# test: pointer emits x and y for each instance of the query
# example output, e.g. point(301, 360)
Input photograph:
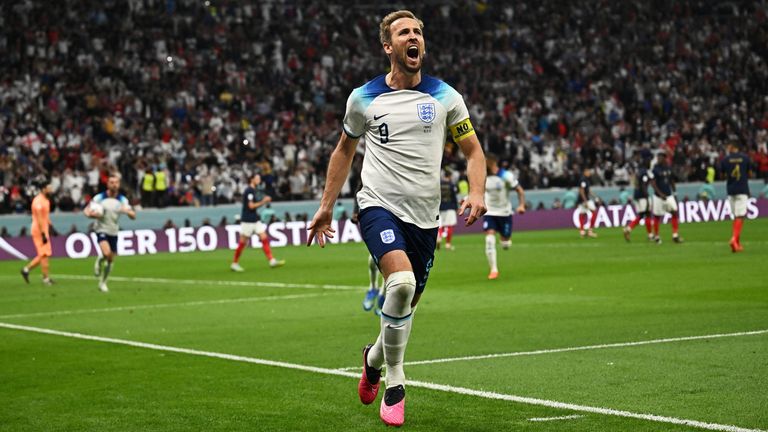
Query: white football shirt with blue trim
point(107, 223)
point(497, 190)
point(405, 132)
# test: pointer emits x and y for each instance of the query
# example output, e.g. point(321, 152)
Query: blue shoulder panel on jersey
point(371, 90)
point(378, 86)
point(99, 197)
point(434, 87)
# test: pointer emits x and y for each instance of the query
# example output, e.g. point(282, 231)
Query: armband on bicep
point(462, 129)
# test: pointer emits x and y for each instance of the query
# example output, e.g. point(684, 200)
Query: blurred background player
point(642, 209)
point(106, 227)
point(41, 222)
point(586, 205)
point(498, 218)
point(735, 168)
point(376, 287)
point(449, 205)
point(664, 199)
point(254, 196)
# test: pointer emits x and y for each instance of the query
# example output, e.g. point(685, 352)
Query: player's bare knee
point(401, 288)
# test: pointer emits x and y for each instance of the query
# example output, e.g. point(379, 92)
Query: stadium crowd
point(184, 97)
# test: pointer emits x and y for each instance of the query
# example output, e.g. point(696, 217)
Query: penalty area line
point(421, 384)
point(215, 282)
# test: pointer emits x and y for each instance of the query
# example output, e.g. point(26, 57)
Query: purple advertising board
point(207, 238)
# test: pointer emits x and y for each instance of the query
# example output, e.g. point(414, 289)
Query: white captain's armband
point(462, 129)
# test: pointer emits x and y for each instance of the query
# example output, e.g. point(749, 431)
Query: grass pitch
point(556, 292)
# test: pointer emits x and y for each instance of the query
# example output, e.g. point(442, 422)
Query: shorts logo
point(387, 236)
point(426, 112)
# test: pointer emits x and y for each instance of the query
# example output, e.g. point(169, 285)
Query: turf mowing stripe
point(579, 348)
point(422, 384)
point(160, 305)
point(214, 282)
point(546, 419)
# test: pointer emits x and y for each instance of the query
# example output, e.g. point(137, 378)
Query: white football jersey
point(107, 223)
point(497, 189)
point(405, 132)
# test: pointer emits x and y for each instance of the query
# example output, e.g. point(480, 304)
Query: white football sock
point(396, 324)
point(105, 273)
point(490, 251)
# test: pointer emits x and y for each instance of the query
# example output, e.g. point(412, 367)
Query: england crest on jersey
point(426, 112)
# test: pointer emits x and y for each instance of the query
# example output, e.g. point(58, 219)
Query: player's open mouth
point(412, 52)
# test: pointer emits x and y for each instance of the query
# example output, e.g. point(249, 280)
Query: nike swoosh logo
point(375, 117)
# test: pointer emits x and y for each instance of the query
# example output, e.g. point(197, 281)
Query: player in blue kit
point(449, 204)
point(405, 116)
point(664, 198)
point(735, 168)
point(586, 205)
point(254, 196)
point(640, 198)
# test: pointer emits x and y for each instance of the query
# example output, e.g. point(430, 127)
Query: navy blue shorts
point(500, 224)
point(383, 232)
point(112, 240)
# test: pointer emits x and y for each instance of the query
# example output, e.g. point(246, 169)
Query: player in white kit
point(106, 227)
point(406, 117)
point(498, 219)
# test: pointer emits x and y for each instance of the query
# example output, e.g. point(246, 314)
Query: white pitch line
point(215, 282)
point(422, 384)
point(546, 419)
point(160, 305)
point(580, 348)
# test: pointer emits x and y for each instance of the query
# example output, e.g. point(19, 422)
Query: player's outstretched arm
point(475, 200)
point(338, 168)
point(520, 199)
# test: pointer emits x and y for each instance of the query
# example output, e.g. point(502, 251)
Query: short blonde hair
point(385, 35)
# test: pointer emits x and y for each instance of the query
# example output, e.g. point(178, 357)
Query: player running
point(735, 168)
point(642, 209)
point(586, 204)
point(109, 206)
point(405, 117)
point(498, 219)
point(449, 203)
point(41, 222)
point(254, 196)
point(664, 199)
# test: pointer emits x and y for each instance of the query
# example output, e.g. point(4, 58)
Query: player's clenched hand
point(320, 227)
point(521, 209)
point(476, 206)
